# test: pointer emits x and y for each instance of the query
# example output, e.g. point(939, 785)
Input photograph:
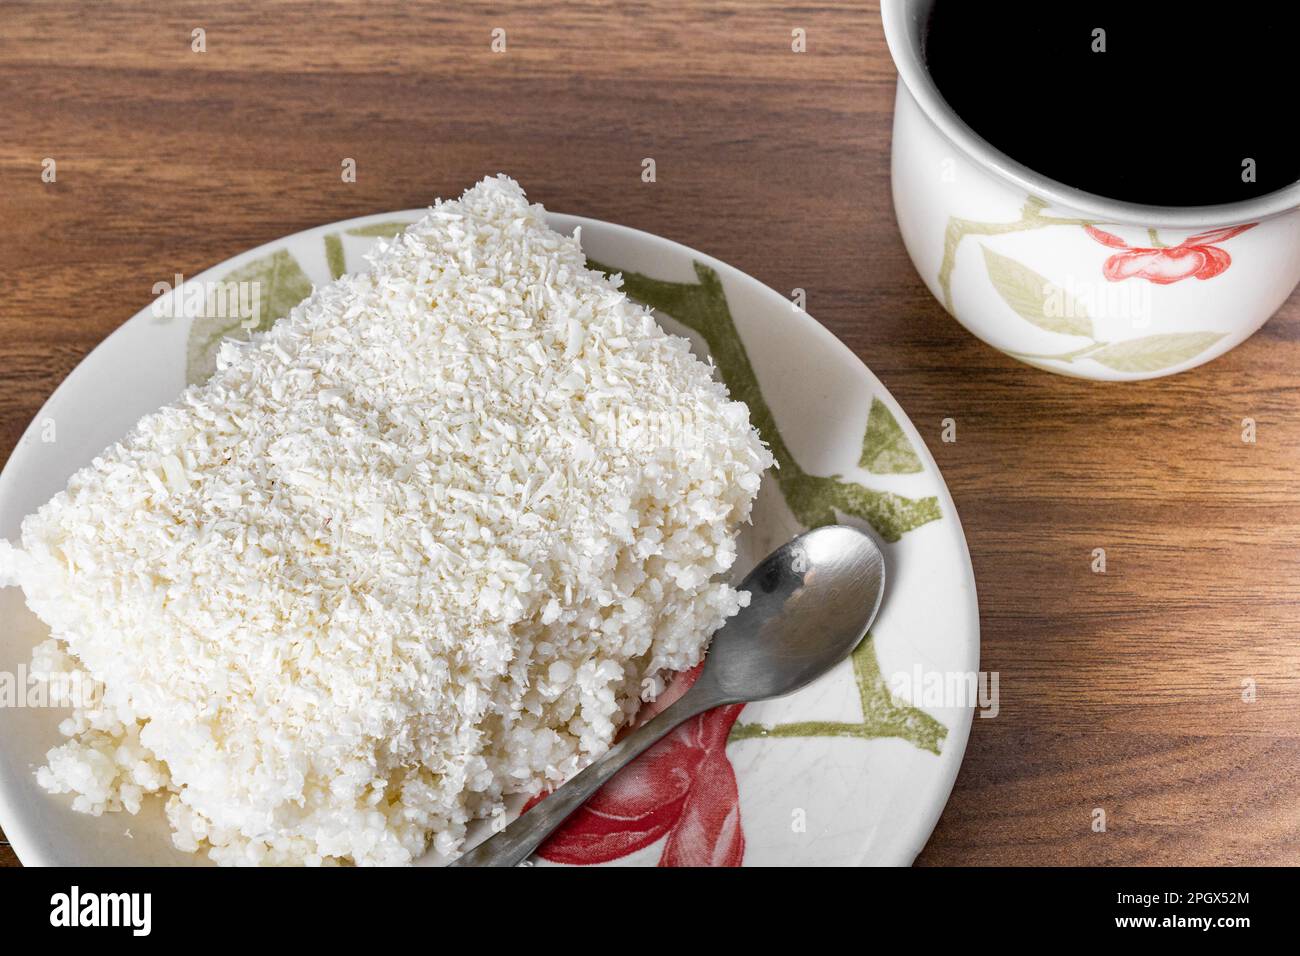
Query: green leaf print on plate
point(379, 230)
point(882, 715)
point(885, 449)
point(281, 284)
point(334, 255)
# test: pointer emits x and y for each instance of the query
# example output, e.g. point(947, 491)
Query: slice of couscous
point(422, 545)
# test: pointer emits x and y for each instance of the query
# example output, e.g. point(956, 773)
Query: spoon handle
point(517, 842)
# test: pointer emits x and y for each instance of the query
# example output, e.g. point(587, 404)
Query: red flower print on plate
point(1194, 256)
point(682, 788)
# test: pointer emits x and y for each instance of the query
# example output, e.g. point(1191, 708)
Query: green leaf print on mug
point(1154, 352)
point(1035, 299)
point(1045, 305)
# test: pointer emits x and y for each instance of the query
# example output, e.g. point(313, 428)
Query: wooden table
point(1121, 691)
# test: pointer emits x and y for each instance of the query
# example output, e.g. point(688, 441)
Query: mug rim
point(905, 50)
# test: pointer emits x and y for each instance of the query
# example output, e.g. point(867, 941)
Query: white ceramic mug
point(1066, 280)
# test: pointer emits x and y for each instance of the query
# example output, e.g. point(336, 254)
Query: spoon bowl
point(811, 602)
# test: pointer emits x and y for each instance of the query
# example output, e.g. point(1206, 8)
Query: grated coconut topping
point(423, 545)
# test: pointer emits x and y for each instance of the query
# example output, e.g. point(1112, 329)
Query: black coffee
point(1168, 103)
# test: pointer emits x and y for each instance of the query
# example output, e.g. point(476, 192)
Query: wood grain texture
point(1120, 691)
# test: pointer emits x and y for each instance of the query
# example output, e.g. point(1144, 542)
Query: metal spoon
point(811, 602)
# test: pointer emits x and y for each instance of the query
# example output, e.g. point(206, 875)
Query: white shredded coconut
point(420, 546)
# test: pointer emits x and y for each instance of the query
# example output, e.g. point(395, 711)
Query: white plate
point(846, 771)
